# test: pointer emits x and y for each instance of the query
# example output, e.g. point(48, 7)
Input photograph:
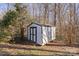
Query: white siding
point(46, 33)
point(53, 33)
point(44, 37)
point(28, 33)
point(39, 36)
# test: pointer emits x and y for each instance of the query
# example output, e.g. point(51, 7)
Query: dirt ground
point(50, 49)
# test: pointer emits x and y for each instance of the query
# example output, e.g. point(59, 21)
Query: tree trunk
point(22, 32)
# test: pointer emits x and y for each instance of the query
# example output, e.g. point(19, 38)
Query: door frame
point(33, 34)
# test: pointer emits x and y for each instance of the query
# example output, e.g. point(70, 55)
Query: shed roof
point(46, 25)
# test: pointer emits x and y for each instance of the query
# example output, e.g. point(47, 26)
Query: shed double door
point(33, 34)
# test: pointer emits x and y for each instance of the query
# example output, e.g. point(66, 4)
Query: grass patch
point(4, 36)
point(60, 37)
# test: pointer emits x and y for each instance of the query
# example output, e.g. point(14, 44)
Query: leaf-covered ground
point(53, 49)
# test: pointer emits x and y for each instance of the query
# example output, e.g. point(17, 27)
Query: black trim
point(36, 34)
point(33, 34)
point(39, 24)
point(27, 33)
point(41, 33)
point(30, 35)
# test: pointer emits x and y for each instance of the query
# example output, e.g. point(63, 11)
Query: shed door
point(33, 34)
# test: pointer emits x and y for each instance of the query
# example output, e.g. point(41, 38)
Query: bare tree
point(45, 13)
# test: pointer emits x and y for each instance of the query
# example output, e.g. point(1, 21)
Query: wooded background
point(64, 16)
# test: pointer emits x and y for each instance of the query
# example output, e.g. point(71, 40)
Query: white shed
point(40, 34)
